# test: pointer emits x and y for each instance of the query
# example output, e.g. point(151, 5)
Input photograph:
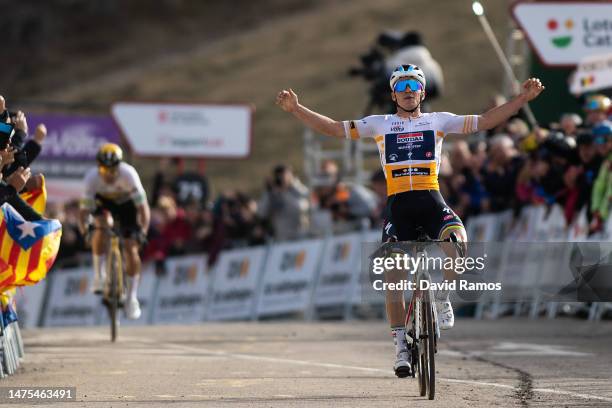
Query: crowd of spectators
point(568, 162)
point(17, 152)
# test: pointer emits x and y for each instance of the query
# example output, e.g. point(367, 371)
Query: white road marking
point(372, 370)
point(572, 394)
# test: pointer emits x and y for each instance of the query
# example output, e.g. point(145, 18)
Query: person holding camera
point(285, 203)
point(15, 174)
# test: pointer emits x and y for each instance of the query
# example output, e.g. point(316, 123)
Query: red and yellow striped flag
point(37, 199)
point(27, 248)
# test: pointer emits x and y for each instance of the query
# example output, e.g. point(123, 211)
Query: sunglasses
point(404, 84)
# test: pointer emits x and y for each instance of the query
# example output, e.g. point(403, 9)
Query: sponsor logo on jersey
point(397, 126)
point(428, 154)
point(410, 137)
point(393, 157)
point(410, 171)
point(423, 123)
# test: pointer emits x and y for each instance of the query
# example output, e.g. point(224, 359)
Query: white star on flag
point(27, 229)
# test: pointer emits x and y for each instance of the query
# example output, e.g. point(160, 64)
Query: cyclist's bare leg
point(133, 264)
point(99, 249)
point(446, 316)
point(396, 314)
point(132, 257)
point(99, 237)
point(449, 249)
point(394, 299)
point(132, 268)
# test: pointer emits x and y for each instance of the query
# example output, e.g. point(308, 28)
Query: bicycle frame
point(417, 298)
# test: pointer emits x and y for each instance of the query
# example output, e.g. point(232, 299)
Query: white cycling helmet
point(407, 71)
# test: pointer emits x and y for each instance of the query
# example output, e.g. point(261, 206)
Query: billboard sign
point(563, 33)
point(185, 130)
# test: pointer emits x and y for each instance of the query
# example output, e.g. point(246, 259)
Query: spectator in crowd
point(186, 185)
point(378, 184)
point(580, 177)
point(570, 123)
point(541, 178)
point(602, 188)
point(500, 173)
point(518, 130)
point(171, 231)
point(13, 178)
point(470, 195)
point(285, 204)
point(597, 109)
point(72, 242)
point(348, 203)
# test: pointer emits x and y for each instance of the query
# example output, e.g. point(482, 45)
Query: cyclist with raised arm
point(410, 147)
point(114, 193)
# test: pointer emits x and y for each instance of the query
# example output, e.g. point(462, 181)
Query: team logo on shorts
point(448, 217)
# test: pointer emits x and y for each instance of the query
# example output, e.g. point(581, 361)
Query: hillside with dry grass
point(308, 47)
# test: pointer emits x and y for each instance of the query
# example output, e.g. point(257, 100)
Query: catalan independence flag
point(37, 199)
point(27, 248)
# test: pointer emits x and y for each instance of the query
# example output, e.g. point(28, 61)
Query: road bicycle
point(422, 329)
point(113, 294)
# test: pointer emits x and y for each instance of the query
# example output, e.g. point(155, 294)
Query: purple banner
point(73, 137)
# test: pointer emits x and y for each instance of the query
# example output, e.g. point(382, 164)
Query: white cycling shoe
point(446, 316)
point(132, 309)
point(402, 366)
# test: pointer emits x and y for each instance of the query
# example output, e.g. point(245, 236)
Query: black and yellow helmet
point(109, 155)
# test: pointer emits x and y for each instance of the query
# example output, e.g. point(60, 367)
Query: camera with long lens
point(393, 49)
point(10, 138)
point(373, 70)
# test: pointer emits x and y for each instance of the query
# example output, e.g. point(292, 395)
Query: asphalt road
point(503, 363)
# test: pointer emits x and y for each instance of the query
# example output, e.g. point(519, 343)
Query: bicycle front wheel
point(113, 292)
point(429, 344)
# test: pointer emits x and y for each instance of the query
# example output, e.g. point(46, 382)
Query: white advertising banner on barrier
point(340, 267)
point(182, 291)
point(235, 278)
point(363, 292)
point(288, 277)
point(565, 32)
point(29, 301)
point(185, 130)
point(70, 301)
point(146, 290)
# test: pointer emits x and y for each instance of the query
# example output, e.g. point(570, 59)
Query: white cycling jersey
point(127, 186)
point(410, 148)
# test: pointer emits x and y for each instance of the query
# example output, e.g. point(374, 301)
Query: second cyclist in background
point(114, 194)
